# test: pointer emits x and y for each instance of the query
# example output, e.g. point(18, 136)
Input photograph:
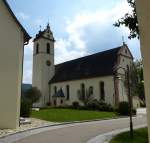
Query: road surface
point(82, 132)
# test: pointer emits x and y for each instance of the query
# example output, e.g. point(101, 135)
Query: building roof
point(99, 64)
point(26, 35)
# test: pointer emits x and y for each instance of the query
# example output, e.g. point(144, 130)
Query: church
point(100, 75)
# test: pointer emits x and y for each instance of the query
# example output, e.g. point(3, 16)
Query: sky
point(80, 27)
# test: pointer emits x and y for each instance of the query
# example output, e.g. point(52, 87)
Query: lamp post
point(127, 77)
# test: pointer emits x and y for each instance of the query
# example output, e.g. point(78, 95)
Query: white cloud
point(28, 58)
point(90, 31)
point(87, 33)
point(23, 16)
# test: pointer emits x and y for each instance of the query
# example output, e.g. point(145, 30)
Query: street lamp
point(127, 77)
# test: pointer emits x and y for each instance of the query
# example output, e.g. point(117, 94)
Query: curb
point(106, 138)
point(11, 138)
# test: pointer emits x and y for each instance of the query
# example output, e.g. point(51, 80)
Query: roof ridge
point(27, 36)
point(89, 55)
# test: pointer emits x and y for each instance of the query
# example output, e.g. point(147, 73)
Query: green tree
point(33, 95)
point(29, 97)
point(130, 20)
point(140, 89)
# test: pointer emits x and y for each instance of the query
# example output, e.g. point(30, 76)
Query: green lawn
point(140, 136)
point(66, 115)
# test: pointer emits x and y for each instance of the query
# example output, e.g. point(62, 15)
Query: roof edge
point(27, 36)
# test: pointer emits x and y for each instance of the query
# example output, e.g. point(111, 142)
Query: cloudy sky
point(80, 27)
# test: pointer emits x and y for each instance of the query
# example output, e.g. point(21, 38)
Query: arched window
point(48, 48)
point(37, 48)
point(102, 91)
point(83, 91)
point(68, 92)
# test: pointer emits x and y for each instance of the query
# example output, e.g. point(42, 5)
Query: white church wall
point(11, 54)
point(94, 82)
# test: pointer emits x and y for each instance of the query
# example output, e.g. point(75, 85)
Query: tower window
point(37, 48)
point(48, 48)
point(68, 92)
point(102, 91)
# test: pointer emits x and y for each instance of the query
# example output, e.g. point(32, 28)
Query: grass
point(140, 136)
point(67, 115)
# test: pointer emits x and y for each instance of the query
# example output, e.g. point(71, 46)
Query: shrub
point(99, 105)
point(26, 106)
point(123, 108)
point(48, 104)
point(105, 107)
point(93, 105)
point(75, 104)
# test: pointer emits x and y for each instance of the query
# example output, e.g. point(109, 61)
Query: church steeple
point(48, 26)
point(43, 63)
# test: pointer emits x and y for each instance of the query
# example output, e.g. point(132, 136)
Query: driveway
point(81, 132)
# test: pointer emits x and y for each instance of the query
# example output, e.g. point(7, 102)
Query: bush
point(99, 105)
point(123, 108)
point(26, 106)
point(93, 105)
point(48, 104)
point(75, 105)
point(105, 107)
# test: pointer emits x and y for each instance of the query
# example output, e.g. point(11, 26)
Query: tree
point(33, 95)
point(29, 97)
point(140, 87)
point(130, 21)
point(137, 80)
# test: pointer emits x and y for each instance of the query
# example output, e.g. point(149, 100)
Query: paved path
point(81, 132)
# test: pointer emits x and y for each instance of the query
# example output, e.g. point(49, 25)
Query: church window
point(68, 92)
point(55, 90)
point(83, 91)
point(48, 48)
point(91, 90)
point(37, 48)
point(102, 91)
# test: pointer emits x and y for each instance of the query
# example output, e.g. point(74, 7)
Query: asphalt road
point(81, 133)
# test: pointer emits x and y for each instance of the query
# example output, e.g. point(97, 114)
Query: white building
point(101, 75)
point(13, 37)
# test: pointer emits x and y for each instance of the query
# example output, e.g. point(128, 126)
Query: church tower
point(43, 64)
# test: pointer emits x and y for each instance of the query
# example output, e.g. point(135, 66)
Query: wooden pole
point(130, 102)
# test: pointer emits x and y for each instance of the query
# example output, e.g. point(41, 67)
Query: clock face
point(48, 63)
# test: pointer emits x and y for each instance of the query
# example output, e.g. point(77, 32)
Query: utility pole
point(130, 101)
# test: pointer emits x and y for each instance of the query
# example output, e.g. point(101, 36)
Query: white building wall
point(94, 82)
point(143, 14)
point(11, 56)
